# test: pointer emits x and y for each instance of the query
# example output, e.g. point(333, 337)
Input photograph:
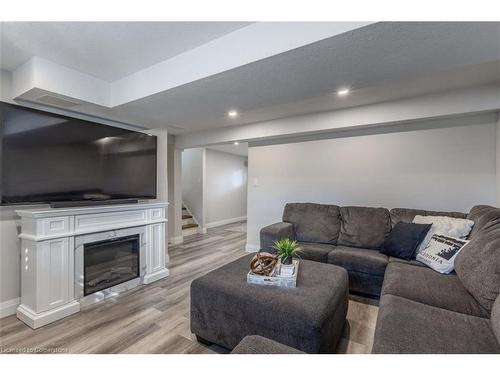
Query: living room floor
point(155, 318)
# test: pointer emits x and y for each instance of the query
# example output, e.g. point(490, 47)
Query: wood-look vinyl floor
point(155, 318)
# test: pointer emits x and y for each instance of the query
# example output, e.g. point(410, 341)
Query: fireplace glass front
point(110, 262)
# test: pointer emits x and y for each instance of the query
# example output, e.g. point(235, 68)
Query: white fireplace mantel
point(49, 239)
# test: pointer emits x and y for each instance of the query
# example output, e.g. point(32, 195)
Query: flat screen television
point(47, 158)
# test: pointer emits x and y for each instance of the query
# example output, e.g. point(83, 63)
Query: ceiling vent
point(55, 101)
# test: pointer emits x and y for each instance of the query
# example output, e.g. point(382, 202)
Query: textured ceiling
point(379, 62)
point(106, 50)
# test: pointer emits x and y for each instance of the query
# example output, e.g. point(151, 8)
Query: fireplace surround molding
point(52, 242)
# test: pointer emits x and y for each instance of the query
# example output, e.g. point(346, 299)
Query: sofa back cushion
point(495, 318)
point(481, 215)
point(478, 264)
point(313, 222)
point(365, 227)
point(406, 215)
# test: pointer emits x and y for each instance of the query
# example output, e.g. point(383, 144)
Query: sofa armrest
point(262, 345)
point(274, 232)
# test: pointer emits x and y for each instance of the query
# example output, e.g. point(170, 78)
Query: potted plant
point(286, 249)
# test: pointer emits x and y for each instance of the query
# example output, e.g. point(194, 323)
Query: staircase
point(189, 226)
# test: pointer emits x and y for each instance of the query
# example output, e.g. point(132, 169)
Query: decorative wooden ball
point(263, 264)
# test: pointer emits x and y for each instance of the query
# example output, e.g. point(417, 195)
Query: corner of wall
point(497, 159)
point(251, 248)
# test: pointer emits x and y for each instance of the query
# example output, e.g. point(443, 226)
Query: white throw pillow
point(448, 226)
point(441, 252)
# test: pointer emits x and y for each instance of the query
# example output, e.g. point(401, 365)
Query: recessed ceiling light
point(232, 113)
point(236, 143)
point(343, 92)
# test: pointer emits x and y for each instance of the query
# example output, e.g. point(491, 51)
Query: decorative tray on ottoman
point(275, 279)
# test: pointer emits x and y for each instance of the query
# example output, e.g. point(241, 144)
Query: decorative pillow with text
point(440, 253)
point(447, 226)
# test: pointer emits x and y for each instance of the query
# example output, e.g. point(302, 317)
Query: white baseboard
point(150, 278)
point(226, 221)
point(202, 230)
point(37, 320)
point(249, 248)
point(9, 307)
point(176, 240)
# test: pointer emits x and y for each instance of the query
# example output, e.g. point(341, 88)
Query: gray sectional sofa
point(421, 311)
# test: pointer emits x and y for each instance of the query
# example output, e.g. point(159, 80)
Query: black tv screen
point(52, 158)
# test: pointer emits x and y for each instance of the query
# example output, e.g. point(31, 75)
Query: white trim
point(9, 307)
point(36, 320)
point(152, 277)
point(202, 230)
point(176, 240)
point(224, 222)
point(75, 233)
point(50, 212)
point(249, 248)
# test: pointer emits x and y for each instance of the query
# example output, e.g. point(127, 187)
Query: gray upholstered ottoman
point(310, 317)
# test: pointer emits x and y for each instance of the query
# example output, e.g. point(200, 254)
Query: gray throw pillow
point(404, 239)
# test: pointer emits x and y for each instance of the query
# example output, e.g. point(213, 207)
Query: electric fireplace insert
point(110, 262)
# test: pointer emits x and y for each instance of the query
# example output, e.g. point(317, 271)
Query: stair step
point(188, 221)
point(184, 217)
point(187, 226)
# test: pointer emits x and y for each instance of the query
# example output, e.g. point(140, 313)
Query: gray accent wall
point(449, 168)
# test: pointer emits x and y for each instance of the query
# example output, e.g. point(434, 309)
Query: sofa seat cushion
point(354, 259)
point(413, 262)
point(365, 227)
point(315, 251)
point(409, 327)
point(313, 222)
point(254, 344)
point(422, 284)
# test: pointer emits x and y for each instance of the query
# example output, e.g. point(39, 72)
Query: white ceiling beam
point(243, 46)
point(44, 74)
point(426, 107)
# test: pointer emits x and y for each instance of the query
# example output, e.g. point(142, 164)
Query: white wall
point(226, 187)
point(193, 168)
point(174, 193)
point(442, 169)
point(5, 86)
